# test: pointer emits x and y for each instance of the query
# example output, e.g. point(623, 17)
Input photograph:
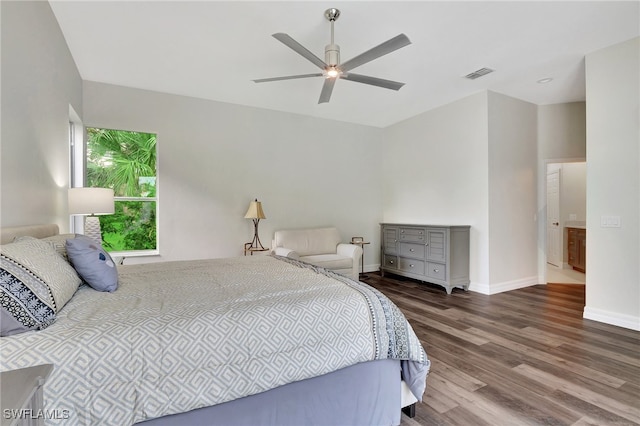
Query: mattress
point(179, 336)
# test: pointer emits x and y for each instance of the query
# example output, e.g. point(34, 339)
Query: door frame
point(542, 211)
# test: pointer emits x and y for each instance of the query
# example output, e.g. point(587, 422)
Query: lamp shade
point(255, 211)
point(91, 201)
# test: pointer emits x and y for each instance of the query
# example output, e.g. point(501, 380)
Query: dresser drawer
point(412, 265)
point(390, 240)
point(412, 250)
point(390, 261)
point(413, 234)
point(437, 246)
point(437, 270)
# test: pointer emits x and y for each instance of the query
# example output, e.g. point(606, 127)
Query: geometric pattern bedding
point(182, 335)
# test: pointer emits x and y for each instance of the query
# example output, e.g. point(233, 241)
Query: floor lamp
point(90, 202)
point(255, 212)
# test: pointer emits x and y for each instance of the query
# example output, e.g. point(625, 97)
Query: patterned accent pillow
point(20, 309)
point(39, 267)
point(94, 265)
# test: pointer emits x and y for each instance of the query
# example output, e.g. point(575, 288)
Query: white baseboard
point(372, 268)
point(503, 286)
point(613, 318)
point(479, 288)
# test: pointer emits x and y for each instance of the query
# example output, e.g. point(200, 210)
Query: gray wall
point(561, 138)
point(214, 158)
point(482, 173)
point(613, 184)
point(573, 194)
point(39, 83)
point(436, 172)
point(512, 193)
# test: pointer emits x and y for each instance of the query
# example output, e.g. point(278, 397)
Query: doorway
point(566, 207)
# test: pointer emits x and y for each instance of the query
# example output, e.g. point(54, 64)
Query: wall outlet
point(610, 221)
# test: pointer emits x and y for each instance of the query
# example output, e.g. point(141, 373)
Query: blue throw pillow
point(92, 263)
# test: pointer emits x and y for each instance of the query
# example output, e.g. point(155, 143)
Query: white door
point(554, 252)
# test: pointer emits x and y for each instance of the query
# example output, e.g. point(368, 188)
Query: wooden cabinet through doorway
point(577, 248)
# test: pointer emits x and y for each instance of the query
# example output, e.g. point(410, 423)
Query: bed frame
point(363, 394)
point(8, 234)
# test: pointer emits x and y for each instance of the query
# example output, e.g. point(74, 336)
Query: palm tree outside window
point(126, 162)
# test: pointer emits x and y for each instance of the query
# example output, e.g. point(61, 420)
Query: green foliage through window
point(126, 162)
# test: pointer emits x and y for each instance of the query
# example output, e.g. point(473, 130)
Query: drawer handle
point(411, 265)
point(436, 270)
point(411, 250)
point(391, 262)
point(402, 232)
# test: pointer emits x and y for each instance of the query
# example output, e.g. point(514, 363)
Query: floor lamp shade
point(91, 202)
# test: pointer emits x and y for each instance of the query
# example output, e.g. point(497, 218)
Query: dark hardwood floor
point(523, 357)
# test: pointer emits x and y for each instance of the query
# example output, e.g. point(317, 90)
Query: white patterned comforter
point(177, 336)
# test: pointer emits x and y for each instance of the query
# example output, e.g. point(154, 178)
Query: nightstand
point(22, 395)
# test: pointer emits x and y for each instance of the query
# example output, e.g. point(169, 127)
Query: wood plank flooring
point(523, 357)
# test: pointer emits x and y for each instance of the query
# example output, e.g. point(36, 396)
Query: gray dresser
point(433, 253)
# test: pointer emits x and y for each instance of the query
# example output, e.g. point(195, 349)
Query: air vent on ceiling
point(478, 73)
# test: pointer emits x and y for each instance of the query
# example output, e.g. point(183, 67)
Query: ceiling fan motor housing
point(332, 54)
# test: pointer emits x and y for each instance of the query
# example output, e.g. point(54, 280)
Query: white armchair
point(321, 247)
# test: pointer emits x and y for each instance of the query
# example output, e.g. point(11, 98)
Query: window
point(126, 162)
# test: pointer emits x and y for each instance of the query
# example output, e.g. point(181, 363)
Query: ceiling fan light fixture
point(333, 72)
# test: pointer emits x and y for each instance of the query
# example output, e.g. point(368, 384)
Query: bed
point(248, 340)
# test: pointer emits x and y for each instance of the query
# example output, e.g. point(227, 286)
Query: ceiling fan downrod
point(332, 51)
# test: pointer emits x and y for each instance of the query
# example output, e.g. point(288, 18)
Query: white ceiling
point(214, 49)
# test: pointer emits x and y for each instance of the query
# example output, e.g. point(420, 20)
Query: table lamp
point(255, 212)
point(91, 202)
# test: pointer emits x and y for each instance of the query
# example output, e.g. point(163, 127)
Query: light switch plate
point(610, 221)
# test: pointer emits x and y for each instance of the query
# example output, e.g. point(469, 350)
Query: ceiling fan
point(331, 67)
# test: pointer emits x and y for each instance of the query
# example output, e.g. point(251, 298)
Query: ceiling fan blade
point(388, 46)
point(327, 88)
point(288, 77)
point(374, 81)
point(300, 49)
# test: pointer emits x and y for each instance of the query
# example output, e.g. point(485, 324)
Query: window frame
point(78, 226)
